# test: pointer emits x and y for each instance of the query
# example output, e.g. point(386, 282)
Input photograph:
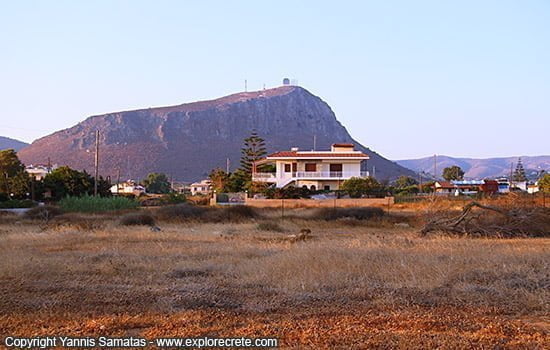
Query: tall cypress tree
point(252, 151)
point(519, 173)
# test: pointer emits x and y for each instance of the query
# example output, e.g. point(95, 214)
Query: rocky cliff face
point(188, 140)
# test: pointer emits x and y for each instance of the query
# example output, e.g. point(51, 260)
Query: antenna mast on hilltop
point(245, 87)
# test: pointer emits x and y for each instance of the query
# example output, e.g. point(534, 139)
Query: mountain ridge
point(187, 140)
point(9, 143)
point(478, 168)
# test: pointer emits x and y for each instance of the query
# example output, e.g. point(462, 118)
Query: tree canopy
point(453, 173)
point(519, 173)
point(64, 181)
point(405, 181)
point(357, 187)
point(157, 183)
point(544, 183)
point(253, 150)
point(14, 180)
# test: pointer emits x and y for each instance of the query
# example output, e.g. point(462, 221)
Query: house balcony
point(308, 175)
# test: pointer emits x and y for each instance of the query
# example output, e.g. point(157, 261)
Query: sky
point(406, 78)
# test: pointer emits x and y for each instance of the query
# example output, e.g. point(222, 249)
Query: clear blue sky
point(407, 78)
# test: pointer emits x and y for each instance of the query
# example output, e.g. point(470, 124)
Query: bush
point(364, 213)
point(45, 212)
point(181, 212)
point(289, 192)
point(269, 226)
point(17, 203)
point(90, 204)
point(174, 198)
point(134, 219)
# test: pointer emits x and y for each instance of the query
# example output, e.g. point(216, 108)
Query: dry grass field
point(352, 284)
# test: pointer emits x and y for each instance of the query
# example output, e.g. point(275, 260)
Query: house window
point(287, 168)
point(336, 168)
point(327, 188)
point(311, 167)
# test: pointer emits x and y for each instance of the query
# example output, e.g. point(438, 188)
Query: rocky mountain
point(7, 143)
point(479, 168)
point(188, 140)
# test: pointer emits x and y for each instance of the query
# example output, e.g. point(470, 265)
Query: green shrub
point(174, 198)
point(89, 204)
point(17, 203)
point(364, 213)
point(45, 213)
point(135, 219)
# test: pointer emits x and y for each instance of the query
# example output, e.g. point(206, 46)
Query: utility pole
point(227, 165)
point(117, 180)
point(245, 85)
point(96, 161)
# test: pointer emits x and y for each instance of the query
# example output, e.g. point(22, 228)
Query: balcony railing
point(311, 175)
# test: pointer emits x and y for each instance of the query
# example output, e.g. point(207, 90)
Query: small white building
point(532, 188)
point(128, 187)
point(316, 170)
point(204, 187)
point(39, 172)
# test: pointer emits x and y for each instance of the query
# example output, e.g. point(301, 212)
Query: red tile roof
point(342, 145)
point(292, 154)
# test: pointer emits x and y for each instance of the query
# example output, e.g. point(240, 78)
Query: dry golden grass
point(354, 284)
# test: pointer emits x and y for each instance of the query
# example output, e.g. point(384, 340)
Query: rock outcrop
point(188, 140)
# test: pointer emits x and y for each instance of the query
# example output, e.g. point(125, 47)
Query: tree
point(220, 180)
point(357, 187)
point(157, 183)
point(519, 173)
point(453, 173)
point(64, 181)
point(252, 151)
point(237, 181)
point(405, 181)
point(13, 177)
point(544, 183)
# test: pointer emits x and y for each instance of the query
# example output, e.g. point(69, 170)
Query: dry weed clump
point(78, 221)
point(135, 219)
point(43, 213)
point(364, 213)
point(491, 221)
point(270, 226)
point(181, 212)
point(186, 212)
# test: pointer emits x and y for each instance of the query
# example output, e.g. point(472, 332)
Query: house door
point(294, 168)
point(336, 170)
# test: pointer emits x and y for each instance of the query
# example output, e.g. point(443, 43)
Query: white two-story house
point(316, 170)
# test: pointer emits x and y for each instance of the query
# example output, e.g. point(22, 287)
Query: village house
point(201, 188)
point(315, 170)
point(39, 172)
point(128, 187)
point(466, 187)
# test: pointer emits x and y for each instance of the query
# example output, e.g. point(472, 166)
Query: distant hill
point(7, 143)
point(479, 168)
point(187, 141)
